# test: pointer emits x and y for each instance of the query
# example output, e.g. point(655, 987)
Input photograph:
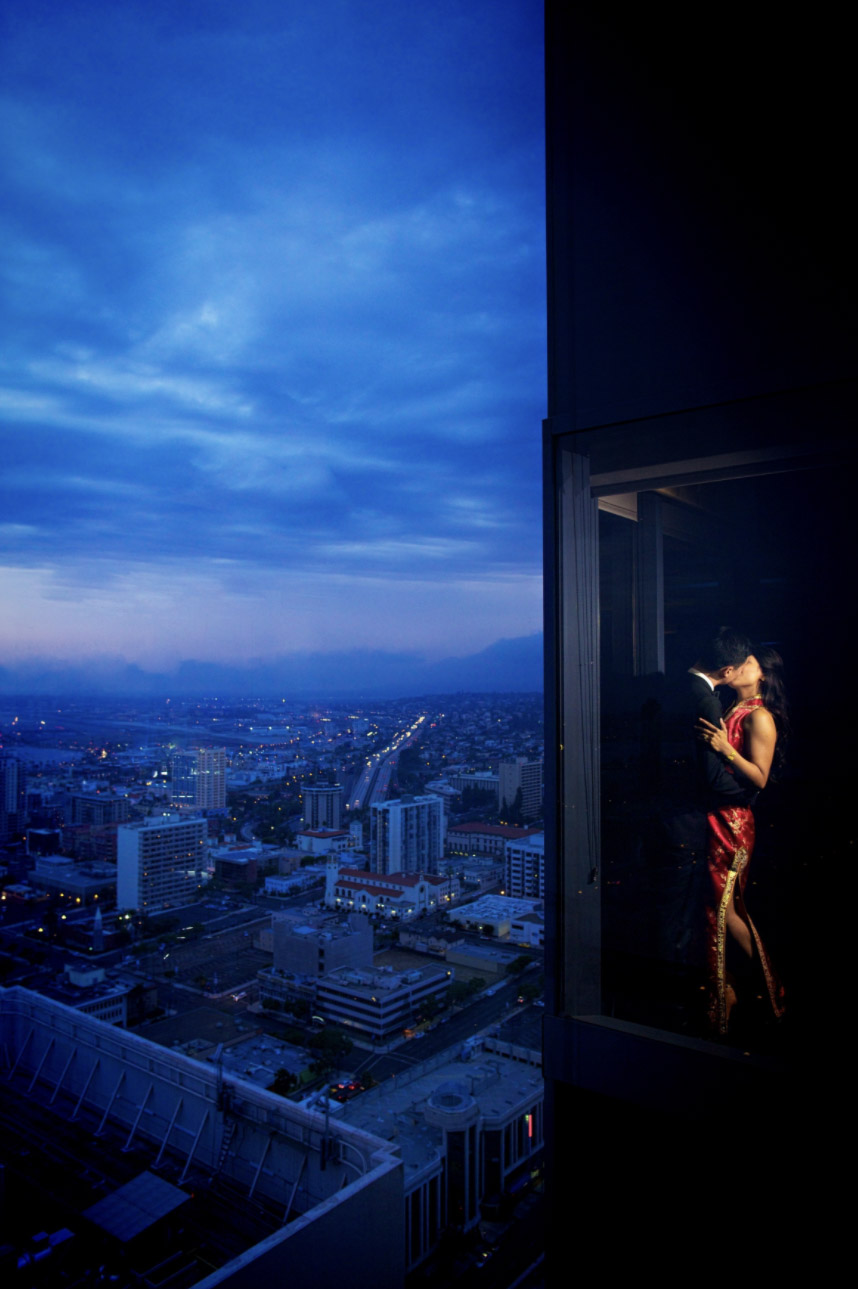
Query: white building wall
point(159, 863)
point(407, 835)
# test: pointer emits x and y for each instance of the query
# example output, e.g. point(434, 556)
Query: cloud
point(275, 300)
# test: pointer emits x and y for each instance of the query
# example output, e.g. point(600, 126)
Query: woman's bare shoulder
point(761, 720)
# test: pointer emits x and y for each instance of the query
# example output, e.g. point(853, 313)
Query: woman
point(748, 741)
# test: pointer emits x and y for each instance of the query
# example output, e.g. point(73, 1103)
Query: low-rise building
point(489, 959)
point(302, 879)
point(395, 895)
point(309, 943)
point(529, 930)
point(423, 935)
point(89, 990)
point(493, 914)
point(324, 841)
point(379, 1004)
point(484, 839)
point(85, 883)
point(237, 865)
point(479, 781)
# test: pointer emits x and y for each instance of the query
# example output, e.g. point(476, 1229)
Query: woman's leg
point(738, 928)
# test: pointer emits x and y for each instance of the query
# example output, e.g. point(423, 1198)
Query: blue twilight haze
point(274, 313)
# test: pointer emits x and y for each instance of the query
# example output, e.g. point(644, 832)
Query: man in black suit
point(678, 843)
point(720, 659)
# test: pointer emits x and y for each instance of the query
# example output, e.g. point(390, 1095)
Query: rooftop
point(395, 1109)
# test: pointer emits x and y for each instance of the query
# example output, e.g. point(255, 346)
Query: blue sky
point(273, 298)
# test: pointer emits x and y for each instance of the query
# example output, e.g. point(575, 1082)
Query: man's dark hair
point(728, 648)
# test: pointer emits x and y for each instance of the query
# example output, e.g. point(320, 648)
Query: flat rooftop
point(394, 1110)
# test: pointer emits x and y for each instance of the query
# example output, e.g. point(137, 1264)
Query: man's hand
point(716, 737)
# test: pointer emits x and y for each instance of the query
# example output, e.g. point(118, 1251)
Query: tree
point(518, 965)
point(284, 1082)
point(331, 1046)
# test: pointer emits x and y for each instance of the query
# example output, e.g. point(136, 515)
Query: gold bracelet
point(731, 756)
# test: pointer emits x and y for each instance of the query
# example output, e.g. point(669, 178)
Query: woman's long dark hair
point(774, 696)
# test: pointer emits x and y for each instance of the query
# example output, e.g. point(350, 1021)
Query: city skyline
point(275, 288)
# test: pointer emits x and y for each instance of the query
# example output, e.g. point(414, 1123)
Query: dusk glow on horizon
point(275, 320)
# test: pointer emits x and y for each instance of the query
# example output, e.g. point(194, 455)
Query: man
point(679, 843)
point(720, 659)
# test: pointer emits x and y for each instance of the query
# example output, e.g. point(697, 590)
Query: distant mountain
point(507, 666)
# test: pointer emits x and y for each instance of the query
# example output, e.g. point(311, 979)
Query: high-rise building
point(722, 374)
point(321, 803)
point(160, 862)
point(520, 775)
point(183, 778)
point(407, 835)
point(211, 778)
point(198, 778)
point(12, 812)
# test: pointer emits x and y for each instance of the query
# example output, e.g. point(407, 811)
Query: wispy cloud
point(264, 329)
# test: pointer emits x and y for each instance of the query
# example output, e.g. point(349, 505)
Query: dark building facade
point(701, 392)
point(12, 799)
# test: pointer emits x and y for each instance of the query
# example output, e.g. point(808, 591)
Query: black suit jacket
point(716, 785)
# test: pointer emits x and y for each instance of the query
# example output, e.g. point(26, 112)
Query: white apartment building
point(524, 867)
point(160, 862)
point(407, 835)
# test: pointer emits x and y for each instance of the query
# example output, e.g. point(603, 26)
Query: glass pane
point(766, 556)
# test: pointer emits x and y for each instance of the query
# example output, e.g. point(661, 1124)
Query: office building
point(379, 1004)
point(321, 805)
point(309, 943)
point(407, 835)
point(198, 778)
point(183, 778)
point(160, 862)
point(97, 808)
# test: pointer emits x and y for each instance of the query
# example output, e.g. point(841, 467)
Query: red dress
point(729, 848)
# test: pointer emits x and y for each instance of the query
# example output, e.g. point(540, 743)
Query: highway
point(374, 781)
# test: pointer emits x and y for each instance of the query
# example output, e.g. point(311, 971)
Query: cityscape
point(336, 912)
point(425, 520)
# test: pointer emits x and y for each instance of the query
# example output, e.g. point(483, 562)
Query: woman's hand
point(716, 738)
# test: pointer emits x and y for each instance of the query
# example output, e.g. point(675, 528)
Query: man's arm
point(718, 779)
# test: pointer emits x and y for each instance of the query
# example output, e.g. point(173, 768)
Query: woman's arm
point(755, 759)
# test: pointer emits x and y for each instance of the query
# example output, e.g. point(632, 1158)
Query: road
point(451, 1032)
point(373, 783)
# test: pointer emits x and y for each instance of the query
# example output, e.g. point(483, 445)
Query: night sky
point(273, 302)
